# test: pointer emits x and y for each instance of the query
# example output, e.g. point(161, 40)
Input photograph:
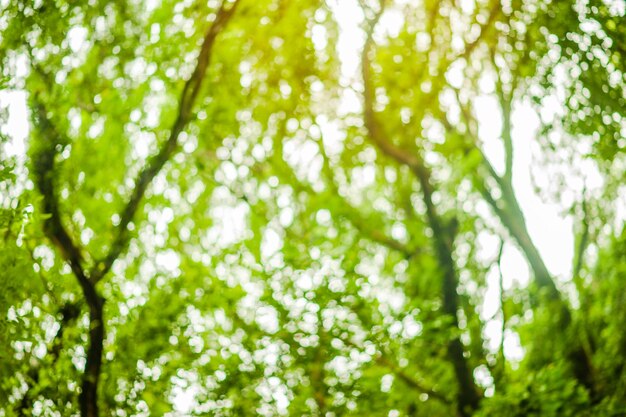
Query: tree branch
point(44, 168)
point(467, 394)
point(502, 367)
point(411, 381)
point(44, 162)
point(582, 246)
point(354, 215)
point(188, 97)
point(505, 105)
point(506, 207)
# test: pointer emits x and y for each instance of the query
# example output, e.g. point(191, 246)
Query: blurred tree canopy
point(295, 208)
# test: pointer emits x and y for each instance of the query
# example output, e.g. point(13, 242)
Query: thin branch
point(472, 145)
point(493, 14)
point(382, 359)
point(468, 398)
point(411, 381)
point(376, 134)
point(348, 211)
point(44, 169)
point(501, 289)
point(317, 373)
point(355, 216)
point(582, 246)
point(505, 105)
point(188, 97)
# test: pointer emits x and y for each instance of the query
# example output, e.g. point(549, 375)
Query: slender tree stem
point(72, 253)
point(468, 398)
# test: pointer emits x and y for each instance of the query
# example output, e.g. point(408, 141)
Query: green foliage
point(300, 253)
point(548, 392)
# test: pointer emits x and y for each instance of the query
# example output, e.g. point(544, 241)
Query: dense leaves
point(311, 208)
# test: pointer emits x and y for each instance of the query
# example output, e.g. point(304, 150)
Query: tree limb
point(582, 246)
point(188, 97)
point(467, 394)
point(502, 367)
point(382, 359)
point(44, 162)
point(44, 167)
point(506, 206)
point(505, 105)
point(411, 381)
point(354, 215)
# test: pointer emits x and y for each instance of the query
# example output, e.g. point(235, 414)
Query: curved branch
point(506, 105)
point(188, 97)
point(44, 162)
point(356, 218)
point(582, 245)
point(502, 366)
point(506, 207)
point(468, 398)
point(44, 168)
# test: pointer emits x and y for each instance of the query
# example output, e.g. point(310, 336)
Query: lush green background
point(291, 207)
